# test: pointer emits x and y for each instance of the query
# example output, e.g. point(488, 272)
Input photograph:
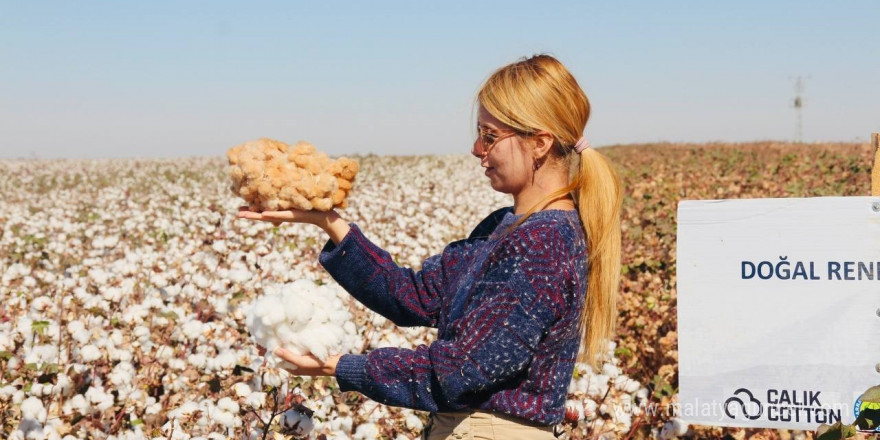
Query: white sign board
point(778, 310)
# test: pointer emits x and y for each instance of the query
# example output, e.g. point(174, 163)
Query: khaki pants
point(480, 425)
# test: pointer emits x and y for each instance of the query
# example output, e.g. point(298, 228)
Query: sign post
point(875, 170)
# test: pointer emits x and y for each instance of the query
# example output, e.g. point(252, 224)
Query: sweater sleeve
point(367, 272)
point(510, 309)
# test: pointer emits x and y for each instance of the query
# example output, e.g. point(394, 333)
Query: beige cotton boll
point(271, 175)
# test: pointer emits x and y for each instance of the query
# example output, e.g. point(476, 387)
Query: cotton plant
point(604, 400)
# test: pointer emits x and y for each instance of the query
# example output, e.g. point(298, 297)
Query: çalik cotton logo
point(751, 408)
point(798, 406)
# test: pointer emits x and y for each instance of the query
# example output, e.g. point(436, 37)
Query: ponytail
point(598, 198)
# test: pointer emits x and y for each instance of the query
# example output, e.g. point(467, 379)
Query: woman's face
point(508, 164)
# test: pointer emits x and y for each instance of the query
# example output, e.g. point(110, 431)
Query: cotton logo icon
point(751, 409)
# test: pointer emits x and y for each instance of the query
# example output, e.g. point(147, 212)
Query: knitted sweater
point(506, 304)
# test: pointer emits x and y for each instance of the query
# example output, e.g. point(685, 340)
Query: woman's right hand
point(329, 221)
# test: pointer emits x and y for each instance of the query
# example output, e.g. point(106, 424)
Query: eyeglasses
point(487, 139)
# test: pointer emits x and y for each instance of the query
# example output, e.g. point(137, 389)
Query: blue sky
point(167, 79)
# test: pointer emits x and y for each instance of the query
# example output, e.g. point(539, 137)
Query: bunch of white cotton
point(305, 318)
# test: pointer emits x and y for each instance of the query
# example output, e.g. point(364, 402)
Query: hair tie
point(581, 145)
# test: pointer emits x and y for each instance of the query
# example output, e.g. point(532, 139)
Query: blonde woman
point(531, 290)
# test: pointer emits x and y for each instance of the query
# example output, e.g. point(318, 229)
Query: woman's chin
point(499, 186)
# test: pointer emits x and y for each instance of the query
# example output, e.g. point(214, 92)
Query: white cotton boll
point(577, 386)
point(89, 353)
point(81, 336)
point(223, 361)
point(116, 337)
point(97, 397)
point(225, 418)
point(598, 385)
point(40, 305)
point(6, 342)
point(128, 286)
point(164, 352)
point(271, 379)
point(184, 409)
point(153, 408)
point(414, 423)
point(256, 400)
point(42, 354)
point(121, 355)
point(227, 404)
point(623, 417)
point(343, 424)
point(192, 329)
point(142, 333)
point(673, 429)
point(173, 426)
point(239, 276)
point(610, 370)
point(177, 364)
point(122, 374)
point(241, 389)
point(590, 406)
point(76, 404)
point(112, 294)
point(200, 281)
point(29, 282)
point(137, 397)
point(99, 276)
point(198, 360)
point(366, 431)
point(219, 246)
point(6, 392)
point(296, 423)
point(32, 408)
point(221, 305)
point(303, 318)
point(63, 385)
point(40, 390)
point(626, 384)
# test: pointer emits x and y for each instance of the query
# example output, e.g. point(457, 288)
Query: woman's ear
point(543, 144)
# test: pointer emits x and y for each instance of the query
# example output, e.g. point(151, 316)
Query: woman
point(511, 302)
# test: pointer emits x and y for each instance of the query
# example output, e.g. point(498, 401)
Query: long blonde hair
point(540, 94)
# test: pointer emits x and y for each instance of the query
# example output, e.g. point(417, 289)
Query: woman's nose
point(477, 149)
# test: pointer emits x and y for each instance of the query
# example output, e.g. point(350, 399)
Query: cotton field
point(127, 284)
point(126, 287)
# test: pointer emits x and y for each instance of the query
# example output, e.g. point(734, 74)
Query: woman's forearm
point(335, 226)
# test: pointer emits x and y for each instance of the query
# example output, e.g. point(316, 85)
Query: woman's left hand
point(309, 365)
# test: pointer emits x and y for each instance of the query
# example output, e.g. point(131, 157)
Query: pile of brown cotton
point(271, 175)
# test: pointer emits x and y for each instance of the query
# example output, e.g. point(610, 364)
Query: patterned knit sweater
point(506, 304)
